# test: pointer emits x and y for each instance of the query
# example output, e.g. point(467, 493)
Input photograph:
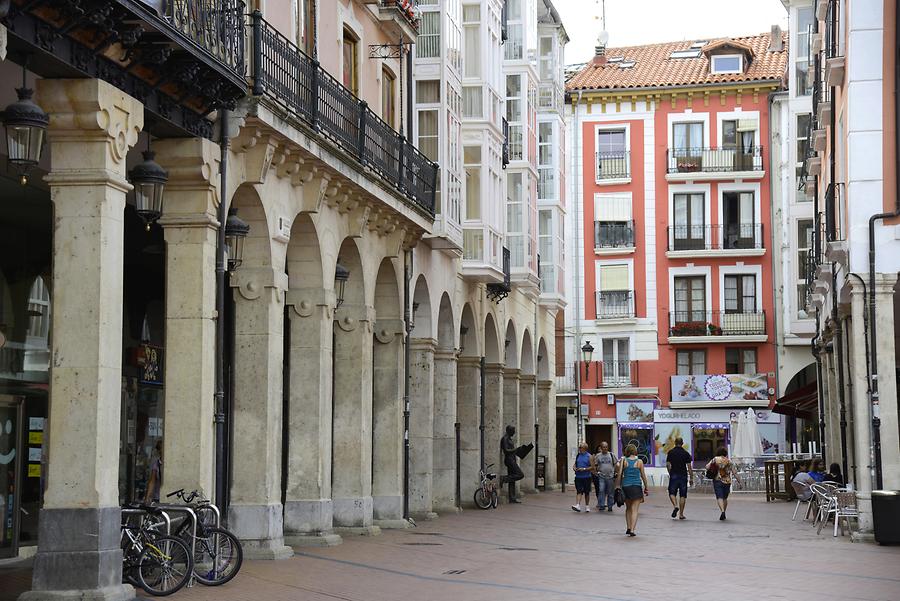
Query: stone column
point(526, 424)
point(445, 366)
point(468, 413)
point(308, 507)
point(493, 416)
point(510, 416)
point(421, 428)
point(387, 425)
point(190, 225)
point(352, 419)
point(255, 514)
point(546, 419)
point(887, 381)
point(92, 126)
point(861, 410)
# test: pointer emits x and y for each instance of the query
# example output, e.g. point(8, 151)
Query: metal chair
point(801, 490)
point(842, 505)
point(823, 493)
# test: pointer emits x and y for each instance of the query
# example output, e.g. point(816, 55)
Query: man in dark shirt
point(677, 462)
point(511, 460)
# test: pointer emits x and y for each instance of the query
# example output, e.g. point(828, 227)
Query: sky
point(633, 22)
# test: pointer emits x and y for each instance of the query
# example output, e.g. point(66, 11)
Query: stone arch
point(543, 361)
point(304, 256)
point(258, 244)
point(469, 339)
point(527, 359)
point(491, 341)
point(421, 310)
point(355, 287)
point(511, 344)
point(446, 337)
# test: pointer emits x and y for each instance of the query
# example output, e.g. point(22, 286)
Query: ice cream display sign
point(720, 387)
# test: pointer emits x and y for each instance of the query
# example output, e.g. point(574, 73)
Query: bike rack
point(193, 520)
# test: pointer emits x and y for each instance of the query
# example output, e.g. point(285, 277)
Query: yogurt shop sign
point(717, 388)
point(720, 387)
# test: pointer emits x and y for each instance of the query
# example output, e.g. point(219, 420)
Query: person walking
point(677, 462)
point(724, 472)
point(605, 463)
point(633, 482)
point(511, 461)
point(584, 467)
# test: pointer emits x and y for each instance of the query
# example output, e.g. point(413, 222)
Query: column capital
point(386, 330)
point(305, 300)
point(445, 354)
point(494, 368)
point(89, 111)
point(527, 379)
point(885, 282)
point(466, 361)
point(545, 385)
point(512, 372)
point(193, 165)
point(423, 344)
point(349, 317)
point(251, 282)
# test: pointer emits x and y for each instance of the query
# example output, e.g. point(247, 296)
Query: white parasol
point(755, 441)
point(745, 436)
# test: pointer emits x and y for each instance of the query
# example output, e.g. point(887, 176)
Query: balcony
point(614, 237)
point(613, 167)
point(497, 292)
point(611, 376)
point(287, 76)
point(722, 240)
point(685, 164)
point(181, 59)
point(505, 152)
point(400, 13)
point(615, 304)
point(482, 254)
point(717, 326)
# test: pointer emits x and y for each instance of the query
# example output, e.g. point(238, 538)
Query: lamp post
point(587, 352)
point(25, 123)
point(341, 275)
point(236, 229)
point(149, 181)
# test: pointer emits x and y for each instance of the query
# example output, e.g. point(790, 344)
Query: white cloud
point(633, 22)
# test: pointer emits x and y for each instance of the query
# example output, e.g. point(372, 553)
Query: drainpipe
point(839, 350)
point(579, 425)
point(219, 396)
point(876, 419)
point(407, 360)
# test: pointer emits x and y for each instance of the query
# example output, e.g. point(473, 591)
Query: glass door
point(10, 471)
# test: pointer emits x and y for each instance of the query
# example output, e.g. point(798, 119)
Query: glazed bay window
point(428, 133)
point(428, 42)
point(515, 105)
point(513, 48)
point(612, 155)
point(805, 233)
point(472, 165)
point(545, 251)
point(615, 298)
point(740, 361)
point(691, 363)
point(548, 187)
point(802, 133)
point(473, 102)
point(472, 40)
point(803, 71)
point(688, 231)
point(613, 225)
point(515, 220)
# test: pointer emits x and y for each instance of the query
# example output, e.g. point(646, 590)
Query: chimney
point(776, 43)
point(600, 49)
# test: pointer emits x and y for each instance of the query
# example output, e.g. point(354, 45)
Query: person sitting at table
point(834, 474)
point(802, 482)
point(817, 470)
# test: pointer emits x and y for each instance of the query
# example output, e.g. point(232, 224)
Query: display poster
point(34, 470)
point(34, 454)
point(665, 439)
point(720, 387)
point(770, 435)
point(642, 438)
point(35, 423)
point(35, 438)
point(634, 411)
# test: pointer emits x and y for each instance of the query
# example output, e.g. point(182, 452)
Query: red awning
point(803, 402)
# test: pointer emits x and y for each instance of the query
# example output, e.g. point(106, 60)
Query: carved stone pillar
point(861, 410)
point(546, 420)
point(387, 425)
point(444, 447)
point(887, 381)
point(526, 428)
point(92, 126)
point(421, 428)
point(493, 415)
point(308, 507)
point(255, 512)
point(468, 413)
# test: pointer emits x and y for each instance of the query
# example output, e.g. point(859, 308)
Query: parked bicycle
point(158, 563)
point(218, 554)
point(486, 495)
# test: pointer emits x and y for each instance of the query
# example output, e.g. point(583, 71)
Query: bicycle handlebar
point(176, 493)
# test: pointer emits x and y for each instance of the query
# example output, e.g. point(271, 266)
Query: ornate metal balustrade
point(497, 292)
point(285, 74)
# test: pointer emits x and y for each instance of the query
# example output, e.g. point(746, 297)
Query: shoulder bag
point(712, 469)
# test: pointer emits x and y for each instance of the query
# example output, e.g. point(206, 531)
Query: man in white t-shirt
point(803, 482)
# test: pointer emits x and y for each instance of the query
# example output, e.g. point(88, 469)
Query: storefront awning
point(802, 403)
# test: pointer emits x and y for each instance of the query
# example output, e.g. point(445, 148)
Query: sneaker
point(575, 508)
point(630, 533)
point(674, 513)
point(722, 517)
point(587, 509)
point(609, 509)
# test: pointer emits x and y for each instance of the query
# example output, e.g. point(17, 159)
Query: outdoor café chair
point(800, 490)
point(842, 506)
point(823, 493)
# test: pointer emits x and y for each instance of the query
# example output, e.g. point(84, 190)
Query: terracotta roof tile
point(654, 67)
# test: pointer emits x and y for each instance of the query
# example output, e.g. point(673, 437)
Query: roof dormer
point(728, 56)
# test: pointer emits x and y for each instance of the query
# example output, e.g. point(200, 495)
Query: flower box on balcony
point(695, 328)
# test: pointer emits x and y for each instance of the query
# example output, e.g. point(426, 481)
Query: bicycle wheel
point(164, 565)
point(482, 498)
point(218, 556)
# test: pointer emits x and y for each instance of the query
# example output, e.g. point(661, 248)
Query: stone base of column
point(346, 531)
point(321, 539)
point(862, 537)
point(122, 592)
point(424, 516)
point(353, 512)
point(387, 508)
point(260, 529)
point(308, 517)
point(447, 510)
point(399, 524)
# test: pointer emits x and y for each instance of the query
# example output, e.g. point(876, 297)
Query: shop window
point(691, 363)
point(641, 438)
point(740, 361)
point(706, 441)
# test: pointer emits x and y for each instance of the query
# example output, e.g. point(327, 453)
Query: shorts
point(583, 485)
point(633, 492)
point(678, 485)
point(721, 489)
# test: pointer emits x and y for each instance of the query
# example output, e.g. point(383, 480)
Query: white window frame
point(613, 263)
point(724, 187)
point(712, 64)
point(754, 270)
point(737, 115)
point(704, 189)
point(612, 126)
point(688, 272)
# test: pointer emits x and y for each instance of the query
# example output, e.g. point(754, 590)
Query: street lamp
point(236, 229)
point(587, 351)
point(341, 275)
point(25, 123)
point(149, 181)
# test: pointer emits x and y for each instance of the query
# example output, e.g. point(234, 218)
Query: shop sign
point(720, 387)
point(763, 416)
point(634, 412)
point(150, 361)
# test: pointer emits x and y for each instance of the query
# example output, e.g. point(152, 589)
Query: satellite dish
point(603, 38)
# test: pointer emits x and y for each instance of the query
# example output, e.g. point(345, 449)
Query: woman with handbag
point(631, 478)
point(720, 470)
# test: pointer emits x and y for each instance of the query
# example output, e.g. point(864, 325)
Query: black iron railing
point(615, 304)
point(729, 236)
point(618, 374)
point(714, 160)
point(214, 27)
point(833, 30)
point(833, 213)
point(497, 292)
point(285, 74)
point(505, 156)
point(407, 9)
point(613, 165)
point(716, 323)
point(614, 234)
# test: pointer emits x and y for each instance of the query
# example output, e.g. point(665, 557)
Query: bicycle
point(486, 495)
point(158, 563)
point(218, 554)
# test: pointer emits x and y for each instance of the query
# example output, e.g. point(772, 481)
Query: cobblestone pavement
point(542, 550)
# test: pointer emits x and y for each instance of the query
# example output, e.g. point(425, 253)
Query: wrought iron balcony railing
point(615, 304)
point(729, 236)
point(286, 75)
point(497, 292)
point(613, 165)
point(614, 234)
point(609, 373)
point(505, 157)
point(833, 29)
point(834, 209)
point(406, 8)
point(716, 323)
point(714, 160)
